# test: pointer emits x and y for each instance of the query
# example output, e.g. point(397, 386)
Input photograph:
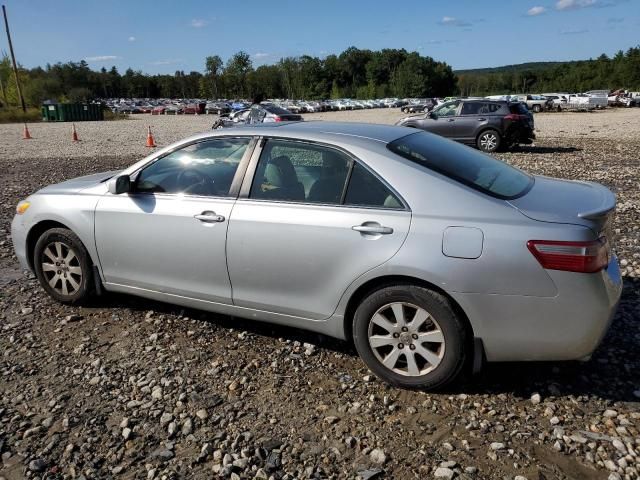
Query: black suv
point(490, 125)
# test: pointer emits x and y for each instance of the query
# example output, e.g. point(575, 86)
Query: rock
point(370, 474)
point(536, 398)
point(162, 454)
point(73, 318)
point(156, 393)
point(165, 418)
point(331, 419)
point(471, 470)
point(202, 414)
point(610, 414)
point(618, 445)
point(378, 456)
point(27, 310)
point(520, 477)
point(126, 433)
point(554, 421)
point(187, 427)
point(497, 446)
point(37, 465)
point(443, 472)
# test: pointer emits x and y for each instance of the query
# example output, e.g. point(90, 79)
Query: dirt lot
point(135, 389)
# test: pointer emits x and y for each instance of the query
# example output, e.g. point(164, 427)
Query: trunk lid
point(568, 201)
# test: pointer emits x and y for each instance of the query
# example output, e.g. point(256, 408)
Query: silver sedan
point(430, 256)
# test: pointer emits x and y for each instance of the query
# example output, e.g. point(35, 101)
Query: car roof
point(324, 130)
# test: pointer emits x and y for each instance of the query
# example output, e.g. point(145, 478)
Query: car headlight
point(22, 207)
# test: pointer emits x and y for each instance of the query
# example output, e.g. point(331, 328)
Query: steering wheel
point(192, 180)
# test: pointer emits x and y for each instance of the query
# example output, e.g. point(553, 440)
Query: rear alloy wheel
point(410, 336)
point(62, 266)
point(489, 141)
point(537, 108)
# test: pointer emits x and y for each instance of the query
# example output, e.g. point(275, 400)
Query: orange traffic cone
point(25, 134)
point(150, 142)
point(74, 134)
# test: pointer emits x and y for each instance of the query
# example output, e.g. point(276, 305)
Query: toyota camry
point(431, 257)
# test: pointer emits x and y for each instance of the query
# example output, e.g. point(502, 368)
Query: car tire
point(63, 266)
point(489, 141)
point(536, 108)
point(391, 361)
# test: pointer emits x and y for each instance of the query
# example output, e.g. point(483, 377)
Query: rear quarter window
point(464, 165)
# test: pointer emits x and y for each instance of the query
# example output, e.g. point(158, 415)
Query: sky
point(162, 36)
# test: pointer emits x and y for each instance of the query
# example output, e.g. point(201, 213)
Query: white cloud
point(453, 22)
point(101, 58)
point(198, 23)
point(574, 4)
point(579, 31)
point(535, 11)
point(167, 62)
point(132, 38)
point(261, 55)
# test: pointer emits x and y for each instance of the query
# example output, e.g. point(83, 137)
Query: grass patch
point(34, 114)
point(16, 115)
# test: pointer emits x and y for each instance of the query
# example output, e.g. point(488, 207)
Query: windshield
point(463, 164)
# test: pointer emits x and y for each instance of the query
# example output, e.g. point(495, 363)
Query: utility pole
point(13, 59)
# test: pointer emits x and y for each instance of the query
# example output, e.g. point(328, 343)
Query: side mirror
point(120, 184)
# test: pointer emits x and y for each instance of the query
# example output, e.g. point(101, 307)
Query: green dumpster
point(71, 112)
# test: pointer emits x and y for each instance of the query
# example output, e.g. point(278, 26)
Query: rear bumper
point(569, 326)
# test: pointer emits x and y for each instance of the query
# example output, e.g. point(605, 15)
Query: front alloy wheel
point(63, 266)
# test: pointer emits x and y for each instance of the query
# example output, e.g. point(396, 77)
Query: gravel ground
point(135, 389)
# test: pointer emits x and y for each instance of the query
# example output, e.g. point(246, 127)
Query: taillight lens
point(277, 119)
point(515, 117)
point(583, 257)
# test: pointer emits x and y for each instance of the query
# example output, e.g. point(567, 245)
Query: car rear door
point(475, 117)
point(308, 222)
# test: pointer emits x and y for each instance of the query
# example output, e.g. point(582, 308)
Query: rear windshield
point(519, 108)
point(463, 164)
point(275, 110)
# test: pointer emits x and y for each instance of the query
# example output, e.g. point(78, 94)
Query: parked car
point(218, 108)
point(347, 230)
point(159, 110)
point(490, 125)
point(535, 103)
point(270, 113)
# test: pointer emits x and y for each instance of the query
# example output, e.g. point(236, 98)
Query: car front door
point(169, 233)
point(312, 220)
point(441, 120)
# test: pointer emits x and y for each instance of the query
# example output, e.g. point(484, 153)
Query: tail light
point(515, 117)
point(583, 257)
point(277, 119)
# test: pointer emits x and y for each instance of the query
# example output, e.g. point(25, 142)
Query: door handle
point(451, 120)
point(482, 119)
point(209, 217)
point(372, 229)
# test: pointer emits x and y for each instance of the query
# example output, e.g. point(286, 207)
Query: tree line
point(354, 73)
point(603, 73)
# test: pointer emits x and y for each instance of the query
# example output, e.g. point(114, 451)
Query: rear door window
point(463, 164)
point(366, 190)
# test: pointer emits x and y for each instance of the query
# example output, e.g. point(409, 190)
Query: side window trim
point(239, 175)
point(253, 166)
